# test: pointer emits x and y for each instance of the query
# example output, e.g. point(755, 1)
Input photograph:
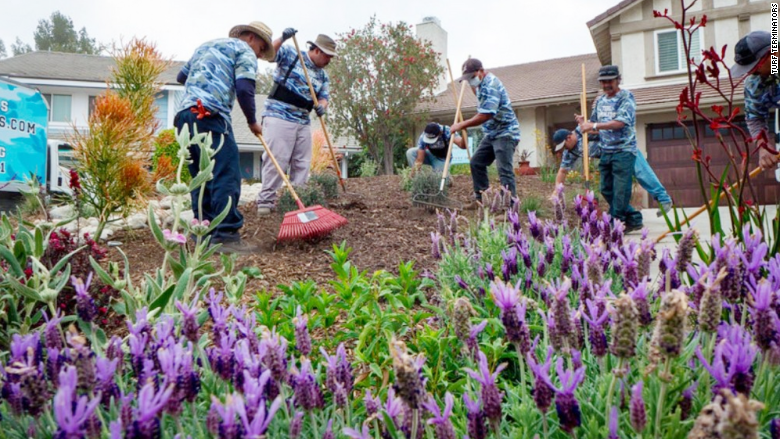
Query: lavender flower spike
point(71, 413)
point(613, 423)
point(476, 418)
point(441, 420)
point(262, 419)
point(491, 397)
point(302, 338)
point(85, 304)
point(566, 404)
point(637, 408)
point(358, 434)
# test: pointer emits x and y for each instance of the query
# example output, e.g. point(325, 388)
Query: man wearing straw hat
point(499, 125)
point(220, 72)
point(614, 118)
point(286, 123)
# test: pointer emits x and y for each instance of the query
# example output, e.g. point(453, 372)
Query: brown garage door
point(669, 153)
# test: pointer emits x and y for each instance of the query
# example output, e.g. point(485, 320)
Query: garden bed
point(384, 229)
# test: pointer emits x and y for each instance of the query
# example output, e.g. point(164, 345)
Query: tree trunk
point(387, 157)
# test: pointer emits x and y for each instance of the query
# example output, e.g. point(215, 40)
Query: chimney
point(430, 30)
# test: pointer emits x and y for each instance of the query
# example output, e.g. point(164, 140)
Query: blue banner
point(23, 119)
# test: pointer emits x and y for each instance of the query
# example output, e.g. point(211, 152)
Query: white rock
point(167, 202)
point(136, 221)
point(93, 222)
point(107, 233)
point(62, 212)
point(187, 216)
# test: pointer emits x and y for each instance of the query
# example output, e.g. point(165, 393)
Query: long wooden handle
point(698, 211)
point(281, 172)
point(452, 139)
point(463, 132)
point(322, 121)
point(584, 105)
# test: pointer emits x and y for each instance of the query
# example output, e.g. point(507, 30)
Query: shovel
point(585, 155)
point(322, 121)
point(439, 199)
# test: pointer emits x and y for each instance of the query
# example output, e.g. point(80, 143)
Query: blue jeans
point(617, 170)
point(649, 181)
point(502, 151)
point(431, 160)
point(226, 184)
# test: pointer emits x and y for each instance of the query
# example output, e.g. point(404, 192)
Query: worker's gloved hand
point(288, 33)
point(320, 110)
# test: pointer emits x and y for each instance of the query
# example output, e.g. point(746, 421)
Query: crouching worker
point(432, 147)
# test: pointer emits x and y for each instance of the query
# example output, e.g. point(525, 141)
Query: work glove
point(320, 110)
point(288, 33)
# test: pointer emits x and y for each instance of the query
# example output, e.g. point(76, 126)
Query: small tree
point(3, 53)
point(20, 47)
point(264, 81)
point(381, 75)
point(59, 35)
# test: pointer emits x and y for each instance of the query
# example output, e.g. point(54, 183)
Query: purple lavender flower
point(85, 304)
point(339, 379)
point(51, 332)
point(308, 395)
point(189, 325)
point(372, 404)
point(566, 404)
point(302, 338)
point(146, 422)
point(507, 299)
point(639, 294)
point(296, 424)
point(329, 431)
point(509, 266)
point(732, 364)
point(637, 408)
point(476, 418)
point(491, 396)
point(489, 272)
point(71, 412)
point(141, 325)
point(105, 370)
point(596, 334)
point(534, 226)
point(686, 401)
point(541, 266)
point(441, 419)
point(472, 343)
point(613, 423)
point(222, 356)
point(358, 434)
point(436, 245)
point(409, 381)
point(774, 428)
point(765, 326)
point(275, 348)
point(542, 392)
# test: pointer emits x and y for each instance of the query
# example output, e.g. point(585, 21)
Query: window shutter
point(668, 53)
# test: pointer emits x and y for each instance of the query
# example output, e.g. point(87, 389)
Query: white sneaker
point(262, 211)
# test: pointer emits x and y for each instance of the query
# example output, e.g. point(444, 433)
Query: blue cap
point(559, 138)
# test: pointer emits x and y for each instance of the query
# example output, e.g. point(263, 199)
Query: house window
point(670, 52)
point(59, 107)
point(162, 110)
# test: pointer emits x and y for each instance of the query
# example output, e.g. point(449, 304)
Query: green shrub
point(165, 145)
point(328, 182)
point(368, 168)
point(406, 178)
point(532, 204)
point(310, 195)
point(463, 169)
point(426, 181)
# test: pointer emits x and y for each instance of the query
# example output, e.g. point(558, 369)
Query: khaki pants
point(290, 144)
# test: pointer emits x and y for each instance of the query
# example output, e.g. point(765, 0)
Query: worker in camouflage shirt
point(499, 126)
point(762, 89)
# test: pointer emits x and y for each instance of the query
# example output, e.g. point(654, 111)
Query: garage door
point(669, 153)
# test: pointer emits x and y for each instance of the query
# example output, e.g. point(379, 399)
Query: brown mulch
point(384, 229)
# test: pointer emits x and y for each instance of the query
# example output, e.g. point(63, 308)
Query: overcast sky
point(498, 32)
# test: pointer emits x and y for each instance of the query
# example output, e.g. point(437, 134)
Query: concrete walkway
point(657, 226)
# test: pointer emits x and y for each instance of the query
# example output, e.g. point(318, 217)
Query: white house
point(70, 82)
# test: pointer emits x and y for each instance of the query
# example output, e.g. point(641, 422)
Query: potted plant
point(524, 166)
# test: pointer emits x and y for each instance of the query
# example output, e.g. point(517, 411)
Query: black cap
point(432, 133)
point(749, 51)
point(607, 73)
point(471, 66)
point(559, 138)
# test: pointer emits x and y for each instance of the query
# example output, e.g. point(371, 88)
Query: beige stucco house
point(648, 50)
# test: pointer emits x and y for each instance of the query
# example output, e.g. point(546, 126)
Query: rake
point(322, 121)
point(307, 222)
point(440, 199)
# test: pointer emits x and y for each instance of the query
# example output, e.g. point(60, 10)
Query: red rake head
point(309, 223)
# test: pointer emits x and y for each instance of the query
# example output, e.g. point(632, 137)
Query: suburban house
point(648, 50)
point(70, 82)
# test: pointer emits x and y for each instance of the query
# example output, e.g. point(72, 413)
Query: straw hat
point(261, 30)
point(325, 44)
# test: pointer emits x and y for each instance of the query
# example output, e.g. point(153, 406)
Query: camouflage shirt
point(570, 156)
point(493, 99)
point(285, 56)
point(212, 73)
point(620, 107)
point(761, 96)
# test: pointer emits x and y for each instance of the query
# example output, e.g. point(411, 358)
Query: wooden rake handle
point(281, 172)
point(698, 211)
point(584, 105)
point(463, 132)
point(322, 121)
point(452, 140)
